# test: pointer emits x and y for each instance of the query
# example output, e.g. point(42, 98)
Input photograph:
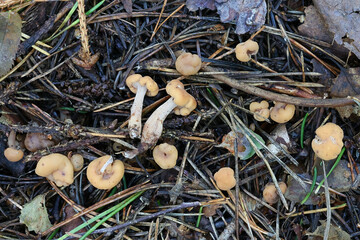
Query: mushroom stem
point(12, 139)
point(108, 162)
point(136, 110)
point(152, 128)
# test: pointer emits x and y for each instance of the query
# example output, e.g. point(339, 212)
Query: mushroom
point(57, 168)
point(181, 102)
point(104, 172)
point(282, 112)
point(188, 64)
point(12, 153)
point(261, 110)
point(270, 194)
point(328, 143)
point(165, 155)
point(225, 179)
point(77, 161)
point(37, 141)
point(141, 86)
point(244, 50)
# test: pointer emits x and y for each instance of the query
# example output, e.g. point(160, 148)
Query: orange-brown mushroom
point(140, 86)
point(104, 172)
point(225, 178)
point(282, 112)
point(13, 153)
point(188, 64)
point(57, 168)
point(244, 50)
point(165, 155)
point(261, 110)
point(270, 194)
point(328, 141)
point(181, 102)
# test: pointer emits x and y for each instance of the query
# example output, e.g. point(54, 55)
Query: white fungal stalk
point(136, 110)
point(108, 162)
point(153, 128)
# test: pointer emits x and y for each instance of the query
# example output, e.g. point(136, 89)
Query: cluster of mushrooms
point(105, 172)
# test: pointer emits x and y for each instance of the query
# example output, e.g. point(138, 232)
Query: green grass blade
point(312, 187)
point(302, 130)
point(199, 217)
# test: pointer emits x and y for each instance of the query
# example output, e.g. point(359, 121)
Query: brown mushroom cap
point(260, 109)
point(57, 168)
point(13, 155)
point(270, 194)
point(225, 178)
point(328, 143)
point(77, 161)
point(110, 177)
point(244, 50)
point(37, 141)
point(282, 112)
point(188, 64)
point(185, 102)
point(165, 155)
point(151, 85)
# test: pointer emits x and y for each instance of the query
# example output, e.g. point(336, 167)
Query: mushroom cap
point(282, 112)
point(244, 50)
point(261, 109)
point(225, 178)
point(56, 167)
point(188, 64)
point(13, 155)
point(77, 161)
point(111, 176)
point(270, 194)
point(37, 141)
point(165, 155)
point(151, 85)
point(328, 143)
point(185, 102)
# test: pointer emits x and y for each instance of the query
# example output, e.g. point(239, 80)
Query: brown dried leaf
point(10, 33)
point(343, 20)
point(127, 5)
point(335, 232)
point(249, 15)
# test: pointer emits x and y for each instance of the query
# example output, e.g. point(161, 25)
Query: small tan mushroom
point(270, 194)
point(77, 161)
point(261, 110)
point(13, 153)
point(57, 168)
point(282, 112)
point(37, 141)
point(244, 50)
point(165, 155)
point(141, 86)
point(328, 141)
point(188, 64)
point(104, 172)
point(225, 178)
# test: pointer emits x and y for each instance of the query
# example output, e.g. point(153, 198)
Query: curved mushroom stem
point(108, 162)
point(136, 110)
point(152, 128)
point(12, 139)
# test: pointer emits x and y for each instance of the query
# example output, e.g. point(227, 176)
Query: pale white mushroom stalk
point(136, 110)
point(108, 162)
point(153, 128)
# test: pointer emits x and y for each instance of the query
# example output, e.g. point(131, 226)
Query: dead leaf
point(249, 15)
point(342, 19)
point(127, 5)
point(296, 193)
point(340, 178)
point(35, 216)
point(335, 232)
point(10, 33)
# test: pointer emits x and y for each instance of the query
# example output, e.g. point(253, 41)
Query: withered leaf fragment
point(10, 33)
